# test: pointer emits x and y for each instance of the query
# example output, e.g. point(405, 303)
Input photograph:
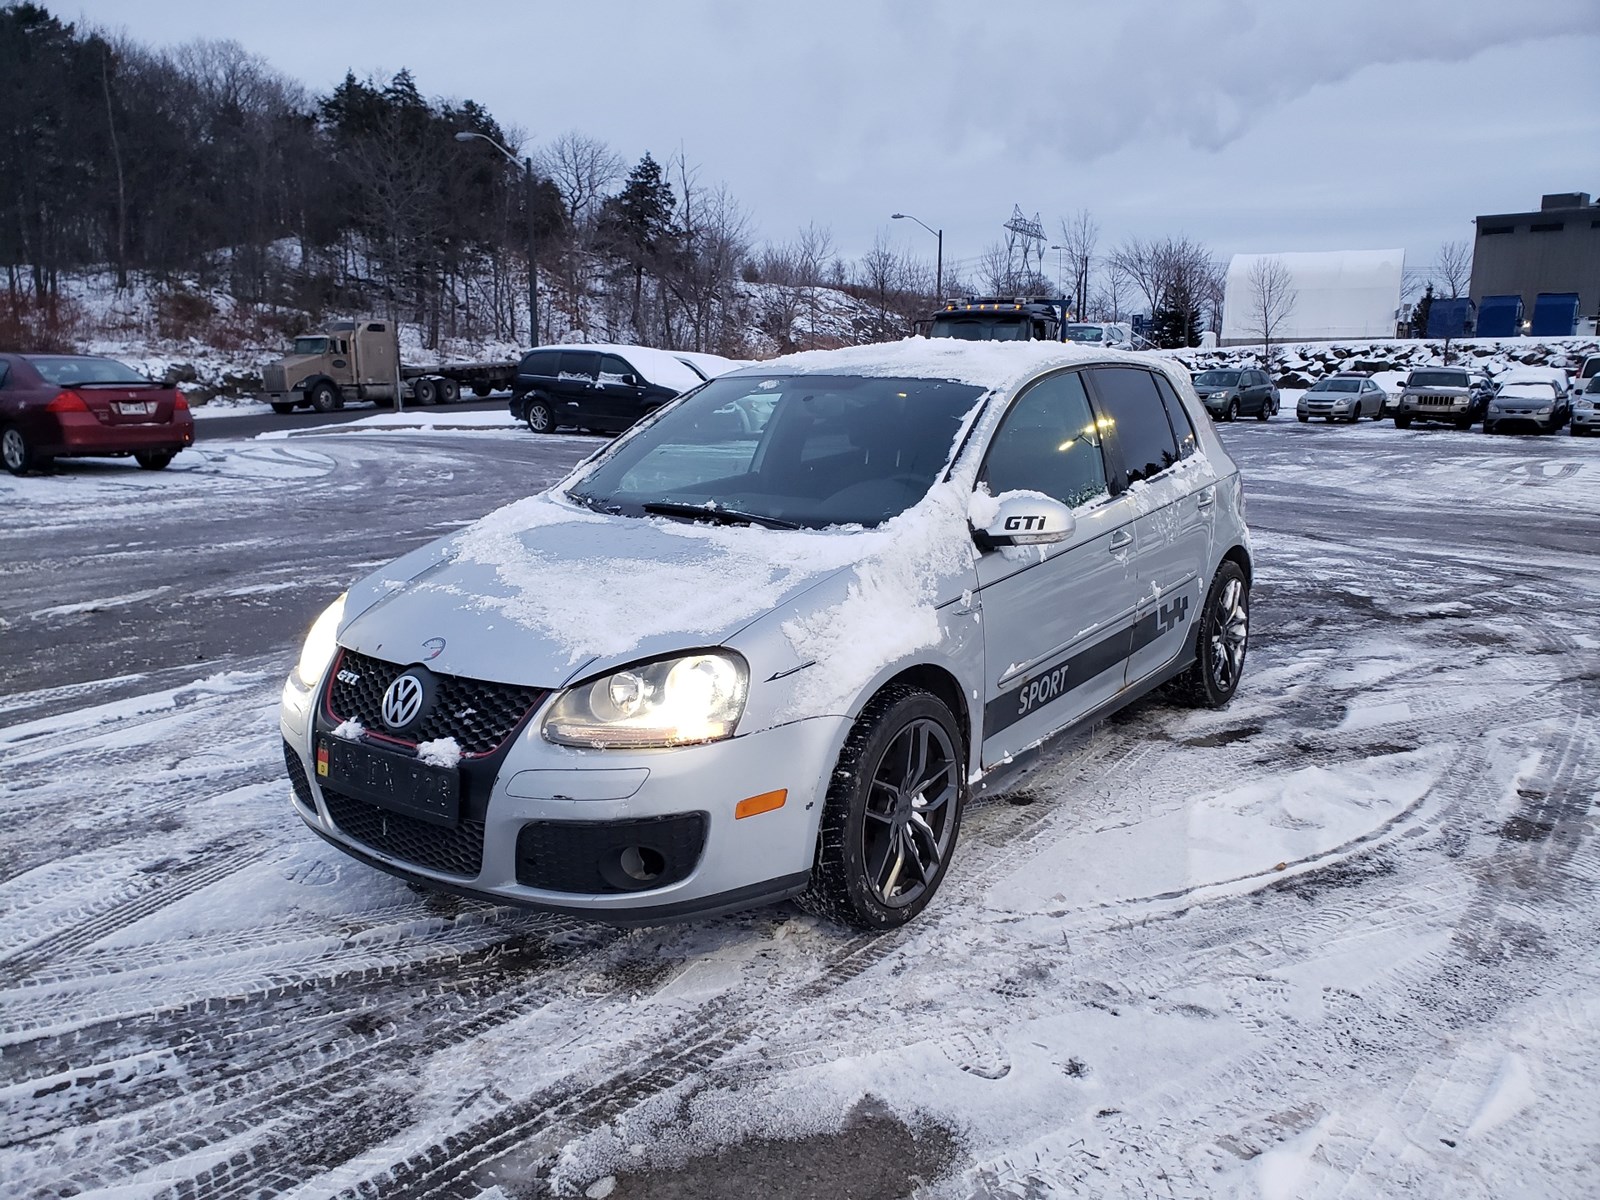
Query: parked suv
point(601, 387)
point(1229, 393)
point(1586, 409)
point(1452, 395)
point(722, 664)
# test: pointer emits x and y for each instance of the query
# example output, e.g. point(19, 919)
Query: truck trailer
point(360, 360)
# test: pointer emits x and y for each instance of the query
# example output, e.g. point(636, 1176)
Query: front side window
point(799, 450)
point(1136, 420)
point(612, 369)
point(1049, 443)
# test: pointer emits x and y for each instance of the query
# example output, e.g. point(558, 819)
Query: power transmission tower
point(1025, 241)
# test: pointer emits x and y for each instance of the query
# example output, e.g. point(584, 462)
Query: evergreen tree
point(1424, 309)
point(636, 223)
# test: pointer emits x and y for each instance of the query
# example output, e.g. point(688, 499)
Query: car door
point(618, 404)
point(1056, 619)
point(577, 396)
point(1172, 531)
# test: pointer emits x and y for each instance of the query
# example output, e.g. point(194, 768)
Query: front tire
point(283, 410)
point(1233, 409)
point(541, 417)
point(325, 398)
point(1402, 422)
point(1224, 636)
point(154, 460)
point(892, 814)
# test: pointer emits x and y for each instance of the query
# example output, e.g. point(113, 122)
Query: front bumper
point(535, 827)
point(1588, 420)
point(1323, 409)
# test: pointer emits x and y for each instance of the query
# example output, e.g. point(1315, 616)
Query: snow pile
point(441, 752)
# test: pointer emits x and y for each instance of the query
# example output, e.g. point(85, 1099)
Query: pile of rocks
point(1300, 364)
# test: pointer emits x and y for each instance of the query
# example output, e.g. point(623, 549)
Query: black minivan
point(603, 388)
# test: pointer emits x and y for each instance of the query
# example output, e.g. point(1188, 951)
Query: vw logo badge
point(402, 702)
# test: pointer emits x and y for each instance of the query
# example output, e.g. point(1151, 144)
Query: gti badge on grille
point(402, 703)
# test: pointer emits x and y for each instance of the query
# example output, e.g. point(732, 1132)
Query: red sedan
point(78, 406)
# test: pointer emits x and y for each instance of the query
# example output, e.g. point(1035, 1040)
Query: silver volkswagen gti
point(765, 644)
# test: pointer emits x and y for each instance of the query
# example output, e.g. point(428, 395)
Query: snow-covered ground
point(1336, 940)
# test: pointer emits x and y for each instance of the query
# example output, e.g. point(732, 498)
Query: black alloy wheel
point(892, 815)
point(1224, 636)
point(541, 417)
point(325, 398)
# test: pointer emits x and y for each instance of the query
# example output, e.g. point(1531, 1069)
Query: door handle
point(1208, 497)
point(1121, 539)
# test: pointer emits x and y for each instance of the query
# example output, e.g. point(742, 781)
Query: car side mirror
point(1019, 519)
point(631, 380)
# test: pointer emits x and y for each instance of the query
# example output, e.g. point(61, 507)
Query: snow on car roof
point(992, 365)
point(665, 367)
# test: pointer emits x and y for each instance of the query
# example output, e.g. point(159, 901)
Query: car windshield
point(1453, 379)
point(65, 370)
point(311, 345)
point(1594, 386)
point(1336, 385)
point(785, 450)
point(986, 329)
point(1217, 379)
point(1085, 333)
point(1529, 389)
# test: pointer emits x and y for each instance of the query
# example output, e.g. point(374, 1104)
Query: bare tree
point(1078, 239)
point(583, 169)
point(1174, 276)
point(1271, 298)
point(1453, 268)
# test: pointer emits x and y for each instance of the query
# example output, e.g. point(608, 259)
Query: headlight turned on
point(321, 644)
point(676, 701)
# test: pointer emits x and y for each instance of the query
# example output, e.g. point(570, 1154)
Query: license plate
point(392, 781)
point(135, 408)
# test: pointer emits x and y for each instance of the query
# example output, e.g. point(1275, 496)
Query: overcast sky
point(1251, 125)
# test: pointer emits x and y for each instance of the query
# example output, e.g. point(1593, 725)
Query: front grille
point(457, 851)
point(594, 856)
point(273, 378)
point(1437, 401)
point(480, 715)
point(297, 778)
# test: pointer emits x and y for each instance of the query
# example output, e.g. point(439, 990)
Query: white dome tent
point(1337, 294)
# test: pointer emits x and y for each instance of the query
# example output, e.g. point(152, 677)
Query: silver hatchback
point(765, 644)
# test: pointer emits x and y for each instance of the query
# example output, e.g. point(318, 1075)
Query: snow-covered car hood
point(541, 592)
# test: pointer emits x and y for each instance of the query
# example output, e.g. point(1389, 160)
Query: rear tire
point(1220, 646)
point(481, 390)
point(449, 391)
point(425, 391)
point(325, 398)
point(17, 455)
point(283, 410)
point(154, 460)
point(541, 417)
point(893, 813)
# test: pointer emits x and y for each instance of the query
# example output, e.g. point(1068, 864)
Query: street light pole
point(533, 259)
point(1061, 287)
point(938, 270)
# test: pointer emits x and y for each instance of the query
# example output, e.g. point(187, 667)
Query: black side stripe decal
point(1055, 680)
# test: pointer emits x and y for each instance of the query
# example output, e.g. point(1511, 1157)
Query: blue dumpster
point(1500, 316)
point(1555, 314)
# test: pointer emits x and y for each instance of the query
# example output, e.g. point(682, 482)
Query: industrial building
point(1537, 272)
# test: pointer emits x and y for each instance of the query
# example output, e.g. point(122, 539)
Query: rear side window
point(5, 373)
point(541, 362)
point(1182, 426)
point(1136, 420)
point(583, 363)
point(1049, 443)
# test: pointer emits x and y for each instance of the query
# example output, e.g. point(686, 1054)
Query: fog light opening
point(642, 864)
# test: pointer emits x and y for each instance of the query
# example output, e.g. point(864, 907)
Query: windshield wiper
point(726, 516)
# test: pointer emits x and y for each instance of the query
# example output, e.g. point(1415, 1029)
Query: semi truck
point(360, 360)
